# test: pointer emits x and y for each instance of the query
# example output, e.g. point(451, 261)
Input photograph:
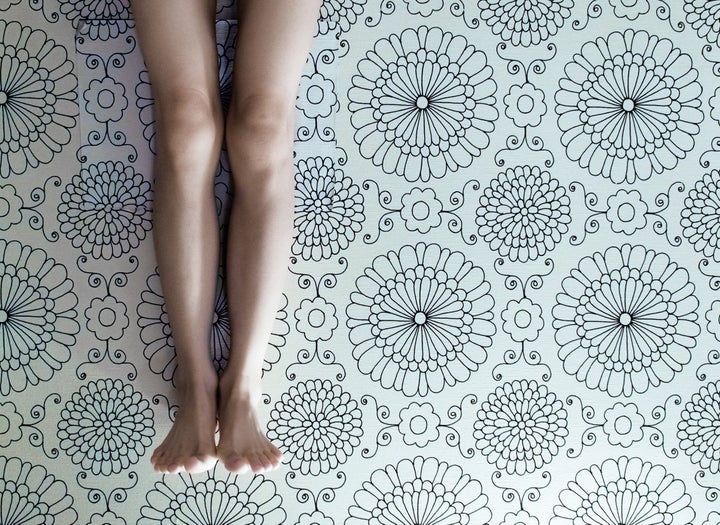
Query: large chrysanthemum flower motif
point(318, 424)
point(29, 495)
point(629, 106)
point(423, 103)
point(38, 105)
point(521, 427)
point(339, 15)
point(704, 17)
point(701, 216)
point(626, 320)
point(699, 428)
point(37, 316)
point(328, 209)
point(421, 319)
point(523, 213)
point(186, 499)
point(624, 491)
point(106, 426)
point(421, 491)
point(105, 210)
point(525, 23)
point(103, 19)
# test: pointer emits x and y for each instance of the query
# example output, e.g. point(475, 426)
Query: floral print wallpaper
point(504, 306)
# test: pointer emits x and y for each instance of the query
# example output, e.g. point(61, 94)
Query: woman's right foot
point(190, 444)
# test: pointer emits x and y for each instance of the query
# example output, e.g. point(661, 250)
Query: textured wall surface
point(503, 305)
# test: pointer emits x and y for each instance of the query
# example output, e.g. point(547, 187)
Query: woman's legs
point(177, 40)
point(273, 43)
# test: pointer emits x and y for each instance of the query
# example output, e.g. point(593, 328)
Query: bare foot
point(190, 444)
point(243, 444)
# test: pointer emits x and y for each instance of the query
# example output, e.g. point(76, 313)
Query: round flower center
point(623, 425)
point(625, 319)
point(628, 105)
point(3, 97)
point(522, 319)
point(315, 94)
point(525, 103)
point(626, 212)
point(418, 425)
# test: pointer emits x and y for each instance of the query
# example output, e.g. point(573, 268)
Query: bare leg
point(273, 43)
point(178, 44)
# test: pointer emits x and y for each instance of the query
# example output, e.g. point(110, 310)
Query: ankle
point(197, 379)
point(242, 385)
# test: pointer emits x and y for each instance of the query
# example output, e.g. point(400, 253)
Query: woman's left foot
point(243, 444)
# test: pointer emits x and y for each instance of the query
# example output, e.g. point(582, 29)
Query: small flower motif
point(628, 130)
point(423, 7)
point(715, 105)
point(420, 209)
point(29, 495)
point(317, 95)
point(106, 426)
point(10, 208)
point(10, 421)
point(701, 216)
point(525, 23)
point(521, 426)
point(522, 320)
point(523, 213)
point(106, 518)
point(105, 211)
point(37, 316)
point(316, 319)
point(414, 491)
point(107, 318)
point(630, 9)
point(316, 518)
point(520, 518)
point(623, 424)
point(713, 319)
point(699, 428)
point(712, 519)
point(626, 320)
point(318, 424)
point(419, 424)
point(105, 99)
point(328, 209)
point(525, 105)
point(421, 319)
point(626, 211)
point(423, 103)
point(624, 491)
point(38, 101)
point(191, 499)
point(704, 16)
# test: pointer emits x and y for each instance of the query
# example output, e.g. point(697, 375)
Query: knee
point(258, 134)
point(189, 128)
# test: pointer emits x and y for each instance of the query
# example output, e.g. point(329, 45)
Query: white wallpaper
point(503, 305)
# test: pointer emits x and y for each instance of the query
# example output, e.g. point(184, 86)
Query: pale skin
point(177, 39)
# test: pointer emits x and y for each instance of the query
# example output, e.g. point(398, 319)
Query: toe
point(236, 463)
point(256, 462)
point(270, 460)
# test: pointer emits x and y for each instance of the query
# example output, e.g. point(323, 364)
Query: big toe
point(236, 463)
point(198, 463)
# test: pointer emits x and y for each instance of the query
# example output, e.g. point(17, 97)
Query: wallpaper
point(503, 303)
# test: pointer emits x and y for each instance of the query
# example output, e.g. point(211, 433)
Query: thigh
point(177, 41)
point(273, 44)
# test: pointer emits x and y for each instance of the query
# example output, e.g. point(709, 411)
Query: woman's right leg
point(177, 40)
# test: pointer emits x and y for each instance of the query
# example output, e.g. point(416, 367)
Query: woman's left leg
point(273, 43)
